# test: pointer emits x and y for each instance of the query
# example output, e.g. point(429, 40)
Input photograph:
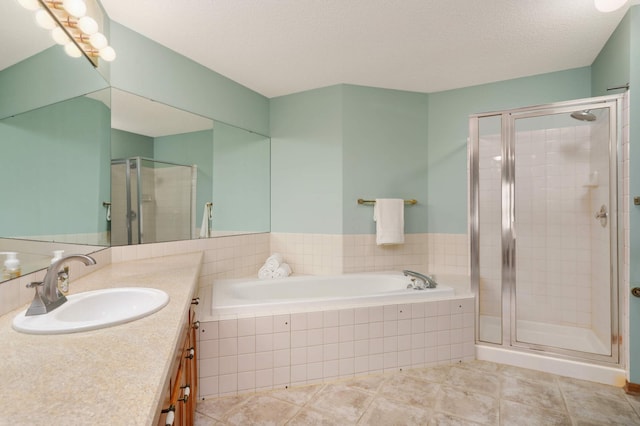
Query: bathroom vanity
point(125, 374)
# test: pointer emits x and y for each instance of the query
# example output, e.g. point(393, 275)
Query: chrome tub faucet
point(425, 280)
point(48, 297)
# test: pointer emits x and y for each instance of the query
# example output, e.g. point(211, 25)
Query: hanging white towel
point(388, 213)
point(207, 216)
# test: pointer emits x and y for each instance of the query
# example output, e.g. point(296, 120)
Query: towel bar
point(361, 201)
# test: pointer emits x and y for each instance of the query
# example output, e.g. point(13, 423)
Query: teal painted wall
point(384, 154)
point(634, 213)
point(241, 184)
point(612, 65)
point(126, 145)
point(188, 149)
point(58, 153)
point(306, 162)
point(448, 129)
point(44, 79)
point(148, 69)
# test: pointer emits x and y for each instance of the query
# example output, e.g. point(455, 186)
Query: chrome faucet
point(425, 280)
point(48, 297)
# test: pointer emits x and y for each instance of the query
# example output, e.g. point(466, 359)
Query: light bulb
point(59, 36)
point(88, 25)
point(98, 40)
point(609, 5)
point(30, 4)
point(72, 50)
point(75, 8)
point(108, 54)
point(44, 20)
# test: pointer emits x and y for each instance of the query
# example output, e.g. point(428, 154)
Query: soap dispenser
point(11, 266)
point(63, 278)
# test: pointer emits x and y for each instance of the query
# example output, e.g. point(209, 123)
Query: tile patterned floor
point(471, 393)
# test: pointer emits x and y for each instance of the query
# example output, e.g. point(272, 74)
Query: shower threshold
point(539, 333)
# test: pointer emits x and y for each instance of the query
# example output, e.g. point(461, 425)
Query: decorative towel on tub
point(388, 213)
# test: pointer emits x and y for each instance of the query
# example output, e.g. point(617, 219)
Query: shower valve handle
point(636, 291)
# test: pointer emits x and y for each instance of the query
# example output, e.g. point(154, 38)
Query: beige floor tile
point(590, 409)
point(383, 411)
point(478, 381)
point(634, 400)
point(298, 395)
point(442, 419)
point(261, 410)
point(525, 373)
point(535, 394)
point(311, 417)
point(369, 383)
point(514, 413)
point(202, 420)
point(344, 402)
point(410, 390)
point(476, 365)
point(217, 407)
point(431, 374)
point(468, 405)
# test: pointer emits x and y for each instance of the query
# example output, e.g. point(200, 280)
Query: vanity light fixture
point(609, 5)
point(72, 28)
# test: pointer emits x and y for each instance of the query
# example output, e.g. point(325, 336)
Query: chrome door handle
point(602, 215)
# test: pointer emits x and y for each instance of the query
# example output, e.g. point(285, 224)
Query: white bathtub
point(236, 297)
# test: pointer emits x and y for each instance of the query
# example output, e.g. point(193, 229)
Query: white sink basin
point(94, 309)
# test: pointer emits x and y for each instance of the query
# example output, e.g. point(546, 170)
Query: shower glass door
point(544, 228)
point(562, 227)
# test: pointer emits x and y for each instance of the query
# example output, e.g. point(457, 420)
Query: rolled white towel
point(273, 262)
point(265, 273)
point(283, 271)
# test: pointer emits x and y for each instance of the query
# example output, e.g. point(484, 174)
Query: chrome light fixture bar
point(72, 28)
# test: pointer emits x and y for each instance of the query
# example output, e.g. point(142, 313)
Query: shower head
point(584, 115)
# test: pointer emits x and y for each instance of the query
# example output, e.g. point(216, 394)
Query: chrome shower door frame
point(509, 229)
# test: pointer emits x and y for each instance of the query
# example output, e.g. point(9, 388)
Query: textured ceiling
point(277, 47)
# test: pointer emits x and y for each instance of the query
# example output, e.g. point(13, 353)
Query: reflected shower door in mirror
point(232, 164)
point(151, 201)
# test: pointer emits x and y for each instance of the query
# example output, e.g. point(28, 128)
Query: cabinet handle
point(190, 353)
point(187, 392)
point(171, 415)
point(196, 324)
point(195, 301)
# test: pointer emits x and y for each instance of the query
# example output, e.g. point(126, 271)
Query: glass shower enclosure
point(544, 228)
point(151, 201)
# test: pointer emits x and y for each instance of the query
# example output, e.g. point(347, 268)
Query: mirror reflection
point(177, 175)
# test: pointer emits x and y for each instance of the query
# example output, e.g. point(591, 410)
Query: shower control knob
point(636, 291)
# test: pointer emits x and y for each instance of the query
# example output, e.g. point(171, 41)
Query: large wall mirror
point(170, 166)
point(62, 132)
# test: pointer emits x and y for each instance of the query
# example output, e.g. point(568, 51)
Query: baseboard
point(631, 388)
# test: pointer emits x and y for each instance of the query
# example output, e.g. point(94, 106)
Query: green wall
point(306, 162)
point(126, 145)
point(189, 149)
point(148, 69)
point(384, 154)
point(448, 129)
point(351, 142)
point(57, 155)
point(44, 79)
point(241, 185)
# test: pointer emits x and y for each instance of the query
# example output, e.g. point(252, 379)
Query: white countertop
point(111, 376)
